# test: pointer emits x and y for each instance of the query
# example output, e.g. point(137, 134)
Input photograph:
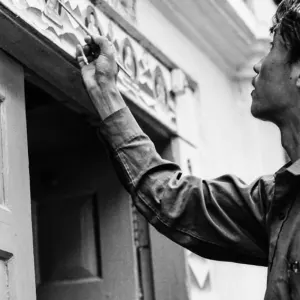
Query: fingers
point(86, 50)
point(88, 39)
point(99, 51)
point(81, 62)
point(90, 52)
point(81, 58)
point(102, 43)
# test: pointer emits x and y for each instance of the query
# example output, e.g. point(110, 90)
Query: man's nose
point(257, 66)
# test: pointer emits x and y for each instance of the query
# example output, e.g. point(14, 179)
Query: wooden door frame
point(163, 257)
point(15, 213)
point(18, 39)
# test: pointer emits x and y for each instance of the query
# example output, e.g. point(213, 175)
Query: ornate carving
point(126, 8)
point(160, 89)
point(129, 7)
point(146, 78)
point(129, 58)
point(2, 98)
point(179, 82)
point(200, 267)
point(164, 101)
point(151, 83)
point(20, 3)
point(53, 12)
point(110, 33)
point(92, 22)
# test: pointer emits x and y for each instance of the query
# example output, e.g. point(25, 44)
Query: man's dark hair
point(286, 22)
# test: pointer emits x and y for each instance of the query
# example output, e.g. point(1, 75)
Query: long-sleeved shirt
point(221, 219)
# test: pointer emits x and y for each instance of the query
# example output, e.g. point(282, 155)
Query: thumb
point(81, 59)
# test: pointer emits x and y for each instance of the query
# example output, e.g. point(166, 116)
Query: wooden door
point(83, 220)
point(16, 251)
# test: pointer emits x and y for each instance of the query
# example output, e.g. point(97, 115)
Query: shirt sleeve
point(220, 219)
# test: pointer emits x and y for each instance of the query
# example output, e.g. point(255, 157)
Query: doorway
point(82, 216)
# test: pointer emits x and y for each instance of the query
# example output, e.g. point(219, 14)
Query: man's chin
point(259, 113)
point(255, 106)
point(256, 110)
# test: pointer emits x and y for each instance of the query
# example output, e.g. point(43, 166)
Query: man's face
point(275, 90)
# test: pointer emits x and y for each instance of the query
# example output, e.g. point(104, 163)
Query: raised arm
point(221, 219)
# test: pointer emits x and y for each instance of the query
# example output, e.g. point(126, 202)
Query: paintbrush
point(88, 33)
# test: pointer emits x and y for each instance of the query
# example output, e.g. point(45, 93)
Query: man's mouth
point(253, 81)
point(253, 93)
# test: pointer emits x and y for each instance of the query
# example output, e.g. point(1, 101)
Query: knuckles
point(102, 67)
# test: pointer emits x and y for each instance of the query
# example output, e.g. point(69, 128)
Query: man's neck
point(290, 136)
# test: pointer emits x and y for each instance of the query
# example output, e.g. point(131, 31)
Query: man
point(221, 219)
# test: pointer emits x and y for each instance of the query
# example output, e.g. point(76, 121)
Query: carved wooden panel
point(150, 84)
point(52, 10)
point(16, 255)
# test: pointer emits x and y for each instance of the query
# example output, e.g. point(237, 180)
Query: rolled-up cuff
point(119, 128)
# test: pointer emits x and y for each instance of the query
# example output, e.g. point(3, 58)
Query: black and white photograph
point(149, 149)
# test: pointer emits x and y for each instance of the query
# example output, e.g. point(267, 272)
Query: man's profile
point(224, 218)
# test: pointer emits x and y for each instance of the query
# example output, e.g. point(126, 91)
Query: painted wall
point(230, 139)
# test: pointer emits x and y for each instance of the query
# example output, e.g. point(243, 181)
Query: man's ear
point(296, 74)
point(298, 82)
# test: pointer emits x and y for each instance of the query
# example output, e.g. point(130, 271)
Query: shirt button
point(295, 267)
point(281, 216)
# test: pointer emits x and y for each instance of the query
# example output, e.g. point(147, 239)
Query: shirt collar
point(294, 168)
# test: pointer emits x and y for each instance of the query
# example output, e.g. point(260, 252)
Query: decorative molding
point(151, 84)
point(201, 269)
point(131, 29)
point(53, 11)
point(224, 30)
point(127, 8)
point(179, 82)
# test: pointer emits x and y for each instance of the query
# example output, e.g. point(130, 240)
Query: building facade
point(68, 228)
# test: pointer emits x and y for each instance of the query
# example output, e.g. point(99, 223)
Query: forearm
point(107, 100)
point(133, 153)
